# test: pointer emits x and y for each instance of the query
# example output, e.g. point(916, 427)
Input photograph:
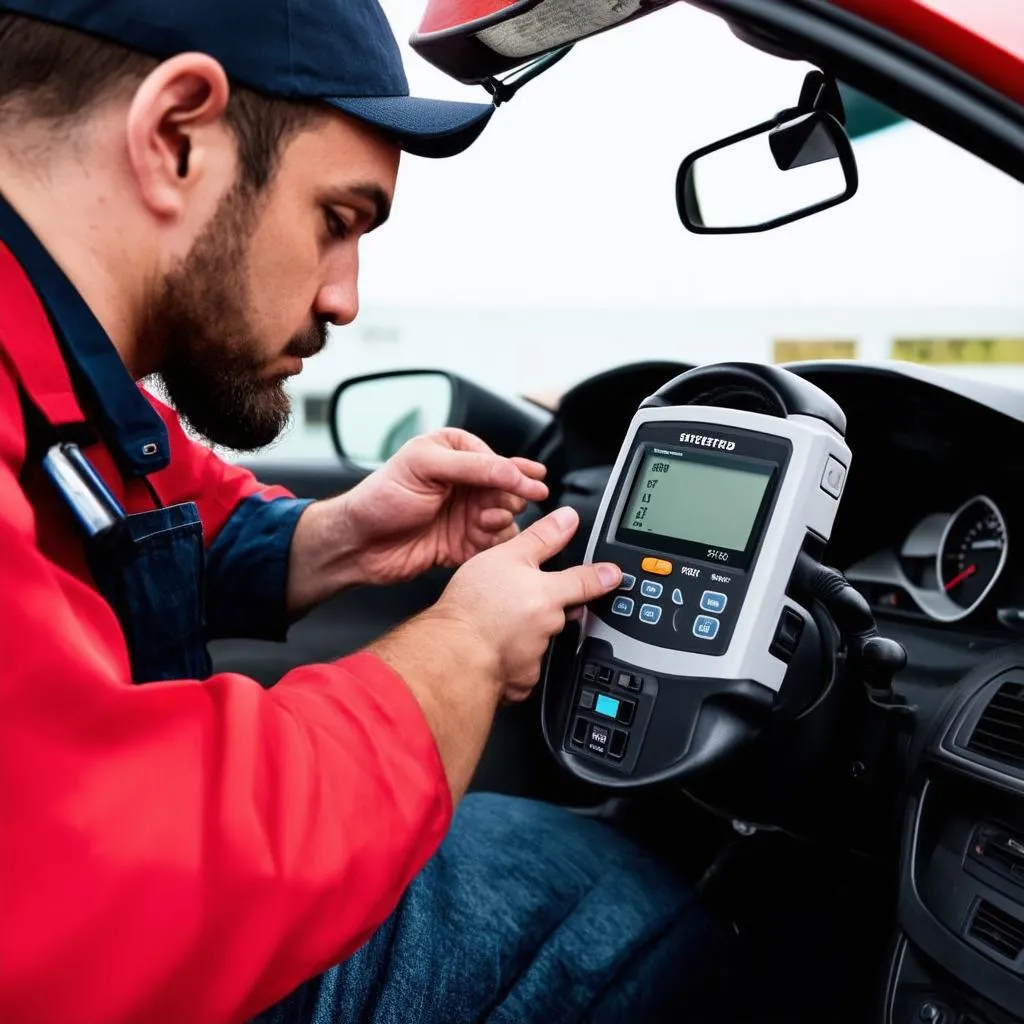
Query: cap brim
point(423, 127)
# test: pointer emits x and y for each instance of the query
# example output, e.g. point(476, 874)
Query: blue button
point(651, 589)
point(606, 705)
point(650, 613)
point(705, 627)
point(628, 582)
point(622, 606)
point(677, 597)
point(711, 601)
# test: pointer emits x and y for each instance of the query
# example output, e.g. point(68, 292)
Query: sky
point(568, 198)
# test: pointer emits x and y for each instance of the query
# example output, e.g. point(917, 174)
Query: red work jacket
point(184, 851)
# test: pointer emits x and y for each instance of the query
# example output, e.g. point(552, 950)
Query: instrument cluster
point(945, 567)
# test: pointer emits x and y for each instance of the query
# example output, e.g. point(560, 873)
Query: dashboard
point(931, 528)
point(945, 568)
point(931, 531)
point(927, 527)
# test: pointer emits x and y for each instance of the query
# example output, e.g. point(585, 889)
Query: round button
point(681, 621)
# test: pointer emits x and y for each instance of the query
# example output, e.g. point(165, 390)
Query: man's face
point(267, 275)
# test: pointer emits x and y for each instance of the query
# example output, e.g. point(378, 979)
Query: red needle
point(961, 576)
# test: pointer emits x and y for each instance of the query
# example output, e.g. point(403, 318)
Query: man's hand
point(482, 643)
point(513, 608)
point(440, 500)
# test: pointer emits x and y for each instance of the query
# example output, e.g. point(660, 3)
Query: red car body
point(984, 38)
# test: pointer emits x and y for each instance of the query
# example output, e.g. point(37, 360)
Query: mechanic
point(184, 187)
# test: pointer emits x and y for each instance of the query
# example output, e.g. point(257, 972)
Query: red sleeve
point(197, 473)
point(186, 851)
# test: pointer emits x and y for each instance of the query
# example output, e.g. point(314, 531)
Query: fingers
point(464, 441)
point(504, 535)
point(501, 499)
point(546, 537)
point(434, 462)
point(461, 440)
point(509, 477)
point(494, 520)
point(487, 530)
point(584, 583)
point(496, 510)
point(534, 470)
point(580, 584)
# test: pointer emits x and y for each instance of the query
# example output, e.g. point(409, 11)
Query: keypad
point(597, 739)
point(617, 744)
point(712, 601)
point(607, 706)
point(629, 682)
point(650, 614)
point(669, 603)
point(705, 627)
point(657, 566)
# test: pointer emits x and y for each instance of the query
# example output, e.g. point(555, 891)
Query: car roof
point(984, 38)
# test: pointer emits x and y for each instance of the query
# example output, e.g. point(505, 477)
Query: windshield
point(552, 249)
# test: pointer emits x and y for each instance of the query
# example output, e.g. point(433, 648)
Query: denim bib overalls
point(149, 566)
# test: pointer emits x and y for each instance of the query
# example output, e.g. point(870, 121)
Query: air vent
point(1000, 851)
point(998, 930)
point(999, 733)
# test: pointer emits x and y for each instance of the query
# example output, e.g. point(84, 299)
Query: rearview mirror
point(372, 417)
point(473, 40)
point(799, 163)
point(767, 176)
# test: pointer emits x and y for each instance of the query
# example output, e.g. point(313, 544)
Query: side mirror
point(372, 416)
point(799, 163)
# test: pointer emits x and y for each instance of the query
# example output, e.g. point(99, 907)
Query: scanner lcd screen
point(706, 501)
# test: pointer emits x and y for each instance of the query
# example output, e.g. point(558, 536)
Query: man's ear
point(173, 129)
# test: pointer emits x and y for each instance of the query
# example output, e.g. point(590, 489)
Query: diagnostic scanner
point(707, 510)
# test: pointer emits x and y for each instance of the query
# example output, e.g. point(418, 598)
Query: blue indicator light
point(607, 706)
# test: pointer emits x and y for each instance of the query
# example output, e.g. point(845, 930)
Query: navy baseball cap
point(341, 52)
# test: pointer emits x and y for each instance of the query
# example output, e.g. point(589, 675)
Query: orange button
point(657, 565)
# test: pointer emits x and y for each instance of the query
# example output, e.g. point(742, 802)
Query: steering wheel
point(708, 733)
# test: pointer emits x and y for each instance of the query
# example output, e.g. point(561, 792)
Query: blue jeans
point(527, 913)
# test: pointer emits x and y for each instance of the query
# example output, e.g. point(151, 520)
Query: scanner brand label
point(706, 441)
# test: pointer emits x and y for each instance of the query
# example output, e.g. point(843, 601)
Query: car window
point(552, 249)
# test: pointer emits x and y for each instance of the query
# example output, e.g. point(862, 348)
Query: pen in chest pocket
point(82, 488)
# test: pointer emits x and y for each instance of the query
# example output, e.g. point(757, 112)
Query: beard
point(212, 366)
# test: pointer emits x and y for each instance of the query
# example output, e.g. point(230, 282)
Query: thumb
point(546, 537)
point(585, 583)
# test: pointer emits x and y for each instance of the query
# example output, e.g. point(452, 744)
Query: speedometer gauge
point(972, 553)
